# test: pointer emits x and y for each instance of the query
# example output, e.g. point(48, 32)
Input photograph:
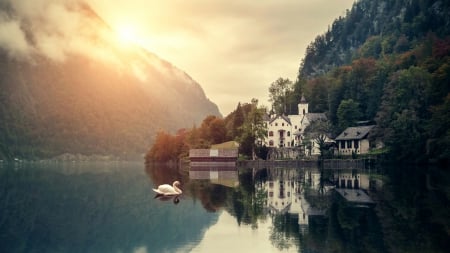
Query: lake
point(110, 207)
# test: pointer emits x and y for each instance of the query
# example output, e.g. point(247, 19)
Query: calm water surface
point(110, 207)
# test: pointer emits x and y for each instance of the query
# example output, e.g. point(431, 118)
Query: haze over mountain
point(69, 84)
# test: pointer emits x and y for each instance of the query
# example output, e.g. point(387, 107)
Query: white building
point(286, 193)
point(288, 131)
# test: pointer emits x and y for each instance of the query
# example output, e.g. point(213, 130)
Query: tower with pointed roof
point(286, 131)
point(303, 106)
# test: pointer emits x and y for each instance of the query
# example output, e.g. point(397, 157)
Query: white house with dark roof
point(288, 130)
point(354, 140)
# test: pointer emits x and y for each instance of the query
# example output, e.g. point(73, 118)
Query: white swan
point(168, 190)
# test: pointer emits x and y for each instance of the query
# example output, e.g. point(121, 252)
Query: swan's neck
point(178, 190)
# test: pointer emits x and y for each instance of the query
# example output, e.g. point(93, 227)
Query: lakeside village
point(285, 139)
point(286, 187)
point(287, 143)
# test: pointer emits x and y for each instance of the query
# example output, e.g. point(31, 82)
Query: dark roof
point(282, 117)
point(354, 133)
point(303, 100)
point(316, 116)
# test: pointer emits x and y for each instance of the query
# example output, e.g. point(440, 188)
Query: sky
point(234, 49)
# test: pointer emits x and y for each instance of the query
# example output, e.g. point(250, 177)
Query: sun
point(127, 34)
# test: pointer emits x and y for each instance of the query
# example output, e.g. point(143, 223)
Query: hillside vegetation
point(244, 125)
point(389, 62)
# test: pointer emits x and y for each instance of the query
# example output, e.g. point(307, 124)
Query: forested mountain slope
point(386, 27)
point(72, 87)
point(387, 62)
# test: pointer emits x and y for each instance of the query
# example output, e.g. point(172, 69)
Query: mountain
point(68, 85)
point(385, 27)
point(389, 60)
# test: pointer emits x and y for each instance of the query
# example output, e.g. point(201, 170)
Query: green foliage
point(213, 130)
point(439, 130)
point(395, 74)
point(387, 62)
point(253, 129)
point(348, 113)
point(374, 29)
point(279, 93)
point(237, 122)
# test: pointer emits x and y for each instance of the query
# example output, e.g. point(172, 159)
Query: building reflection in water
point(307, 194)
point(223, 175)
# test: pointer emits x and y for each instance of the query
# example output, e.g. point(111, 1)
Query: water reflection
point(111, 208)
point(309, 215)
point(340, 210)
point(175, 198)
point(47, 208)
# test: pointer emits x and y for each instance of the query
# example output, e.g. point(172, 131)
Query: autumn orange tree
point(169, 147)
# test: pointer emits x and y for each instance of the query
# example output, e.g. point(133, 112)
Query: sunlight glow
point(128, 34)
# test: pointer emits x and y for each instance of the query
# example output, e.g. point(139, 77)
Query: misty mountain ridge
point(68, 85)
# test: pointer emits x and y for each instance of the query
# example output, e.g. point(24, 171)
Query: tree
point(217, 131)
point(213, 129)
point(403, 112)
point(279, 92)
point(317, 94)
point(348, 113)
point(439, 131)
point(238, 120)
point(253, 130)
point(163, 150)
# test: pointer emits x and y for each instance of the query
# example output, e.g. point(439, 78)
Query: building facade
point(288, 130)
point(354, 140)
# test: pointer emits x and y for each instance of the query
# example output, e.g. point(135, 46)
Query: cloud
point(13, 39)
point(233, 48)
point(51, 28)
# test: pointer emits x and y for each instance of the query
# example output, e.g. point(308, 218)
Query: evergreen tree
point(238, 120)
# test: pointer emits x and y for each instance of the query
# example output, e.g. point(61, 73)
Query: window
point(349, 183)
point(270, 133)
point(356, 144)
point(356, 184)
point(288, 133)
point(271, 143)
point(342, 144)
point(349, 144)
point(282, 124)
point(295, 127)
point(276, 124)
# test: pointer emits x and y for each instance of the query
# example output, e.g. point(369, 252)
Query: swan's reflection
point(162, 197)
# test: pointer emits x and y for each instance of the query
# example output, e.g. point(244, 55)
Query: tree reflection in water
point(307, 214)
